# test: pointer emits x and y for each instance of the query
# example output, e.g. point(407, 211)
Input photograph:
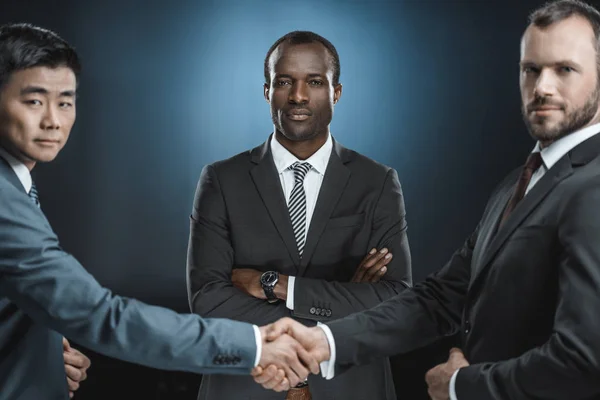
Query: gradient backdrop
point(430, 88)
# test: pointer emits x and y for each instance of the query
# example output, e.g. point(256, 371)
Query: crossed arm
point(214, 282)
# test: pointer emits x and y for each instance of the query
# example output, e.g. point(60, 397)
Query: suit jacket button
point(328, 313)
point(467, 326)
point(312, 310)
point(323, 312)
point(318, 311)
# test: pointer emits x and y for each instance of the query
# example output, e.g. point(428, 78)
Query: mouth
point(545, 110)
point(47, 142)
point(298, 115)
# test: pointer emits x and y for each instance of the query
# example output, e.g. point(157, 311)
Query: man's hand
point(313, 340)
point(438, 378)
point(373, 266)
point(248, 281)
point(76, 365)
point(286, 354)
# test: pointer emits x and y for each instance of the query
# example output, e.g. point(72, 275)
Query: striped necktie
point(297, 204)
point(33, 195)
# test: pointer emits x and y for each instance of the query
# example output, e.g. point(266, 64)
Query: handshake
point(290, 351)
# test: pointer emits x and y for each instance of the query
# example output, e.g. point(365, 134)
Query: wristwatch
point(268, 280)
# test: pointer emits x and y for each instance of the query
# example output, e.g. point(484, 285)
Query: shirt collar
point(283, 158)
point(20, 169)
point(556, 151)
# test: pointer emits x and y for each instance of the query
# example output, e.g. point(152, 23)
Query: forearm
point(322, 300)
point(413, 319)
point(222, 300)
point(57, 292)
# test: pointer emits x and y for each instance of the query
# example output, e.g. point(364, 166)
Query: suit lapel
point(267, 183)
point(335, 180)
point(490, 224)
point(557, 173)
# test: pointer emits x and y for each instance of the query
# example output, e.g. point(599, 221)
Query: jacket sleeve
point(55, 290)
point(343, 298)
point(210, 262)
point(415, 318)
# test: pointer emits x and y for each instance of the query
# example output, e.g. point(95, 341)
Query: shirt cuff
point(327, 367)
point(289, 303)
point(258, 338)
point(452, 389)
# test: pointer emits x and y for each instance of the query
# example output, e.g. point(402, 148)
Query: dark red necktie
point(534, 161)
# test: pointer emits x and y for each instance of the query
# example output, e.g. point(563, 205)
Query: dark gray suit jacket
point(525, 297)
point(240, 219)
point(45, 294)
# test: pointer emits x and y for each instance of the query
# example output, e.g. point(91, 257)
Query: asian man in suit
point(45, 293)
point(280, 230)
point(523, 292)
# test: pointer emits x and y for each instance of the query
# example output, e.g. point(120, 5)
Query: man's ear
point(337, 93)
point(267, 90)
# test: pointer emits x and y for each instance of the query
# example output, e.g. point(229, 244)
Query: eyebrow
point(560, 62)
point(41, 90)
point(314, 75)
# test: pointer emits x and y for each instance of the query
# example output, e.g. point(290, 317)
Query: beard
point(573, 121)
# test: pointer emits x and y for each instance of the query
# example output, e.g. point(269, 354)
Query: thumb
point(278, 328)
point(66, 345)
point(457, 357)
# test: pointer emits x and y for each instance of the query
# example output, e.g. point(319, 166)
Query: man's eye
point(530, 70)
point(316, 82)
point(566, 69)
point(66, 105)
point(33, 102)
point(282, 83)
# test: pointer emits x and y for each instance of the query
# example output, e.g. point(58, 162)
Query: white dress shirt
point(25, 178)
point(550, 156)
point(312, 185)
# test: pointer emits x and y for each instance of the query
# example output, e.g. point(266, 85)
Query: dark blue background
point(430, 88)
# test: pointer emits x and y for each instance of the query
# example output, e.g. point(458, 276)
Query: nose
point(51, 120)
point(545, 84)
point(299, 93)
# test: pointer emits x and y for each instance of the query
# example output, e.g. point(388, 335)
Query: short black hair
point(304, 37)
point(25, 46)
point(556, 11)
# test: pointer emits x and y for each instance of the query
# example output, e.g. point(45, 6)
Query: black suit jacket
point(240, 219)
point(525, 297)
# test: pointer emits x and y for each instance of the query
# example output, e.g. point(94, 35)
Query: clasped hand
point(290, 351)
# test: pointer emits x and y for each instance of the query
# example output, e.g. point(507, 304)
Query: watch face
point(269, 278)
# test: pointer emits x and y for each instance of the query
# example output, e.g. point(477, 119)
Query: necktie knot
point(534, 161)
point(300, 170)
point(33, 195)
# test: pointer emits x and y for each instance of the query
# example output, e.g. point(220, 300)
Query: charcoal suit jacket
point(524, 296)
point(240, 220)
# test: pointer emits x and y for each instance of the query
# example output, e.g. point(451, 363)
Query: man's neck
point(302, 149)
point(30, 164)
